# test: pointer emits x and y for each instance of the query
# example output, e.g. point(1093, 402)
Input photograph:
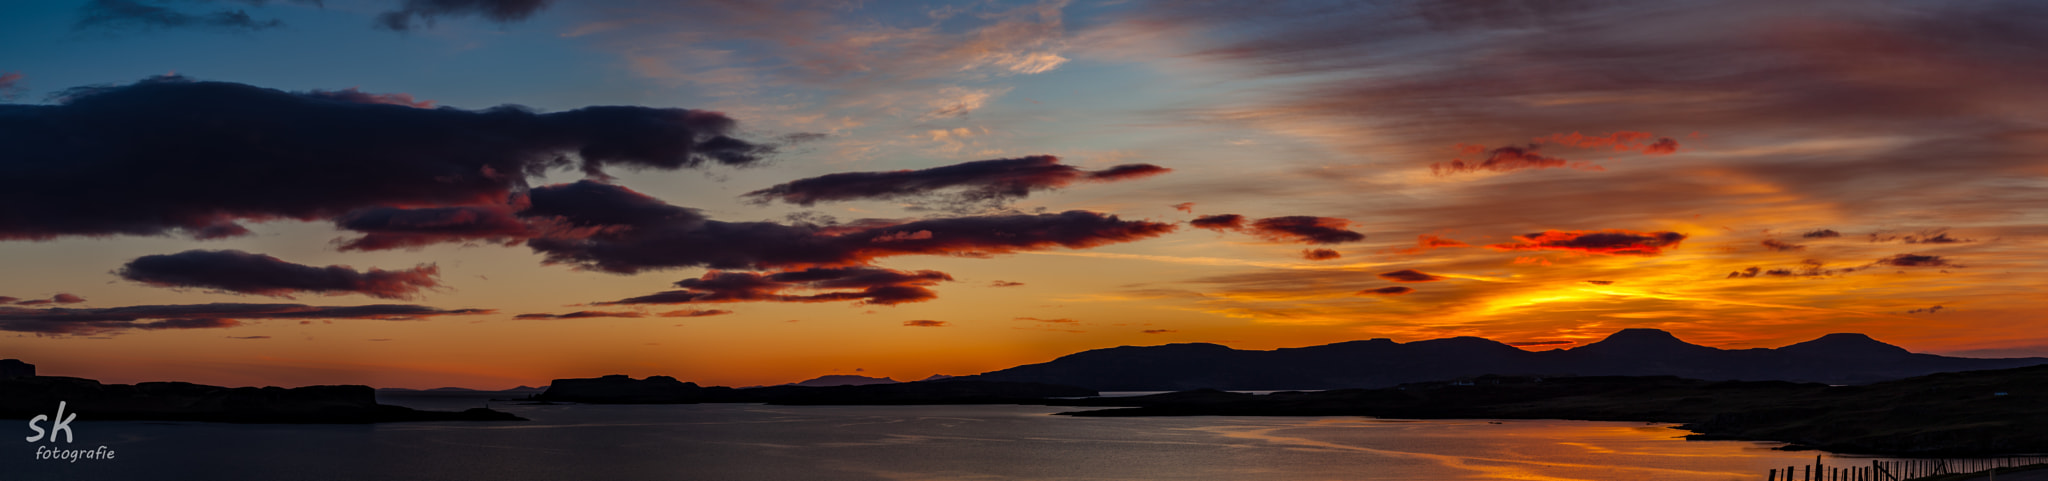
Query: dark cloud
point(924, 323)
point(248, 337)
point(1916, 260)
point(1601, 283)
point(628, 232)
point(1941, 238)
point(1320, 254)
point(415, 12)
point(134, 15)
point(696, 313)
point(868, 285)
point(1219, 222)
point(1296, 228)
point(393, 228)
point(1821, 234)
point(1926, 310)
point(581, 315)
point(969, 185)
point(72, 321)
point(1934, 236)
point(169, 154)
point(1305, 229)
point(1410, 275)
point(1608, 242)
point(1512, 158)
point(1005, 284)
point(1809, 268)
point(8, 299)
point(1387, 291)
point(1782, 246)
point(1159, 331)
point(66, 298)
point(243, 272)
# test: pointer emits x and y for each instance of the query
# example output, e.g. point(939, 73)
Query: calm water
point(730, 441)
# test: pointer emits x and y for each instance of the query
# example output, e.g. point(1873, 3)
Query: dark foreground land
point(26, 397)
point(1950, 414)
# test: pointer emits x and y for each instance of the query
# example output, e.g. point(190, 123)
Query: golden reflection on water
point(1534, 450)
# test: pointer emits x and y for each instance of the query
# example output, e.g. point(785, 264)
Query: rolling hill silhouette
point(1831, 359)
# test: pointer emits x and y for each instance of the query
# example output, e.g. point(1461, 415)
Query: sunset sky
point(425, 193)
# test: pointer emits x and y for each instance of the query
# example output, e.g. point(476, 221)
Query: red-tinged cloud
point(1622, 140)
point(924, 323)
point(696, 313)
point(1219, 222)
point(242, 272)
point(394, 228)
point(1436, 242)
point(62, 298)
point(10, 85)
point(1663, 146)
point(581, 315)
point(1305, 229)
point(1619, 141)
point(1320, 254)
point(1782, 246)
point(425, 13)
point(1916, 260)
point(1505, 159)
point(1821, 234)
point(1410, 275)
point(1387, 291)
point(356, 96)
point(964, 185)
point(1188, 207)
point(73, 321)
point(1005, 284)
point(1159, 331)
point(1427, 242)
point(1606, 242)
point(867, 285)
point(633, 232)
point(172, 155)
point(1601, 283)
point(1049, 321)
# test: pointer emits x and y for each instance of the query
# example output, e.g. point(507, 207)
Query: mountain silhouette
point(1831, 359)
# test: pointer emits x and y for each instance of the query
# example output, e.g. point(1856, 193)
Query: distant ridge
point(1842, 358)
point(829, 380)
